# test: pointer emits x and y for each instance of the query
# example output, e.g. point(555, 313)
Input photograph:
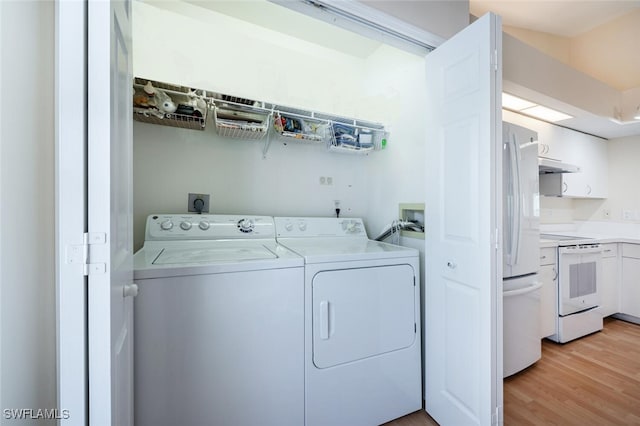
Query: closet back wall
point(361, 78)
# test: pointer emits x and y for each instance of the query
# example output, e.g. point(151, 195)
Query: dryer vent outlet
point(198, 203)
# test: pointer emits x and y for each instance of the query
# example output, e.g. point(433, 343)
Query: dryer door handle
point(324, 319)
point(130, 290)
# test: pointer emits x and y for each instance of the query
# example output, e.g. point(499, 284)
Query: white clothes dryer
point(362, 328)
point(218, 324)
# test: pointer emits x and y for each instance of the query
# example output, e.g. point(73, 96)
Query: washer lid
point(169, 259)
point(180, 256)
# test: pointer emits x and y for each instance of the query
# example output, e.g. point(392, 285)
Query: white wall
point(397, 175)
point(27, 319)
point(535, 75)
point(385, 86)
point(602, 52)
point(556, 210)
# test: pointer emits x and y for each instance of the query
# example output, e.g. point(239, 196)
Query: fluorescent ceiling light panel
point(546, 114)
point(515, 103)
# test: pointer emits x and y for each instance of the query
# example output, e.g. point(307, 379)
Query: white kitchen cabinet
point(590, 154)
point(630, 286)
point(548, 274)
point(609, 287)
point(549, 136)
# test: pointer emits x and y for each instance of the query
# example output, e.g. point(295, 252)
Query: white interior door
point(463, 293)
point(110, 212)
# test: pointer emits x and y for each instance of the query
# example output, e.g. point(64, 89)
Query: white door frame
point(85, 368)
point(70, 196)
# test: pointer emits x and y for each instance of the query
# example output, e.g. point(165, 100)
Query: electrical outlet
point(627, 215)
point(198, 203)
point(326, 180)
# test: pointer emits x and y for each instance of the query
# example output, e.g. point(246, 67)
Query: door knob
point(451, 265)
point(130, 290)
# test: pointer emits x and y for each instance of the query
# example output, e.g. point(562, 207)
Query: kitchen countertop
point(585, 239)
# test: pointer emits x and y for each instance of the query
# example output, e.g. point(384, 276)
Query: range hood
point(549, 165)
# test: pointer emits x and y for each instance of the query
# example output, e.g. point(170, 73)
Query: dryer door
point(362, 312)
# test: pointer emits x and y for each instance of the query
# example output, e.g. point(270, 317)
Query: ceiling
point(567, 18)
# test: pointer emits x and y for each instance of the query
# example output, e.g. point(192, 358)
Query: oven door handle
point(536, 285)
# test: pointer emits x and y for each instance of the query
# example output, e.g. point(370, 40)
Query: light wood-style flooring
point(594, 380)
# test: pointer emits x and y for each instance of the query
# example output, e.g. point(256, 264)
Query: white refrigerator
point(521, 249)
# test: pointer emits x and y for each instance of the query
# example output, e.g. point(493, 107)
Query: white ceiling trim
point(368, 22)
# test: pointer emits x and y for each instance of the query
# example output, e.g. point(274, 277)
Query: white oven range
point(579, 278)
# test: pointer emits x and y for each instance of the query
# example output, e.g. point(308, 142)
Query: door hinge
point(494, 59)
point(498, 239)
point(81, 253)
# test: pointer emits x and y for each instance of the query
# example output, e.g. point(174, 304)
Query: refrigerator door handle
point(518, 199)
point(536, 285)
point(509, 197)
point(516, 208)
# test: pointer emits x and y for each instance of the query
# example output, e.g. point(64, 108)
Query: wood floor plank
point(590, 381)
point(594, 380)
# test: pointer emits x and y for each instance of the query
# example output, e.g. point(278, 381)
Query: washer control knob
point(185, 226)
point(204, 225)
point(288, 226)
point(245, 225)
point(302, 226)
point(166, 225)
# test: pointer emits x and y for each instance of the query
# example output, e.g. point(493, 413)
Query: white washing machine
point(218, 324)
point(362, 328)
